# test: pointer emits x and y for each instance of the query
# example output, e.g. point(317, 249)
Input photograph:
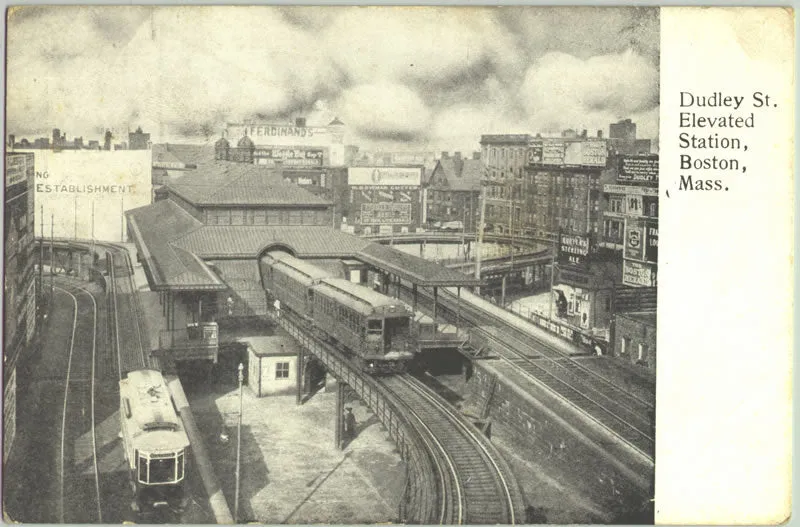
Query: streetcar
point(155, 443)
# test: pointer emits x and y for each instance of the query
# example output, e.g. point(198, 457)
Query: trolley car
point(155, 442)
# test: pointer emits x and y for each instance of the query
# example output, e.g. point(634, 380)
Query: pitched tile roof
point(248, 241)
point(221, 183)
point(167, 266)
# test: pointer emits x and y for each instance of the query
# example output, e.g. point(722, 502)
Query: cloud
point(385, 110)
point(407, 74)
point(562, 91)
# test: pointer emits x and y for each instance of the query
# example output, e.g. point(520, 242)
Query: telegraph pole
point(553, 273)
point(480, 232)
point(52, 253)
point(238, 449)
point(41, 255)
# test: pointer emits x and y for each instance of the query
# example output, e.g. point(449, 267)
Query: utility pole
point(122, 219)
point(41, 256)
point(238, 448)
point(480, 234)
point(75, 218)
point(92, 255)
point(52, 253)
point(553, 273)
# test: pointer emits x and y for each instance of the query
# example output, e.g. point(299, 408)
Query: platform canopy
point(412, 268)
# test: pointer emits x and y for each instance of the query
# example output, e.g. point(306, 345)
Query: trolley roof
point(149, 414)
point(364, 299)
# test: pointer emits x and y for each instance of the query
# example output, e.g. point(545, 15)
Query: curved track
point(476, 485)
point(79, 387)
point(624, 414)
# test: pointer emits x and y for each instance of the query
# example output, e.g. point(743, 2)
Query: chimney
point(600, 134)
point(584, 133)
point(300, 122)
point(476, 156)
point(458, 163)
point(445, 155)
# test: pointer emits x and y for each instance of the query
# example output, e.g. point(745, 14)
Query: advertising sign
point(639, 274)
point(385, 213)
point(69, 183)
point(573, 249)
point(639, 169)
point(634, 240)
point(9, 413)
point(535, 153)
point(651, 249)
point(267, 131)
point(384, 176)
point(553, 152)
point(290, 153)
point(18, 167)
point(628, 189)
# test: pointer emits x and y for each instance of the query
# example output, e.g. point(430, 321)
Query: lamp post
point(238, 448)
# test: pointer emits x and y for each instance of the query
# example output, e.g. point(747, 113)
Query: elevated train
point(155, 443)
point(375, 330)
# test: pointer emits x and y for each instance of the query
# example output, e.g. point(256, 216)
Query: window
point(281, 370)
point(615, 204)
point(652, 210)
point(642, 351)
point(626, 343)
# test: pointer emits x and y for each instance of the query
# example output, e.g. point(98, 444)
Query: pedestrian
point(350, 425)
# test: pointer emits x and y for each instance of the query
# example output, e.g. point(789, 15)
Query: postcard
point(359, 265)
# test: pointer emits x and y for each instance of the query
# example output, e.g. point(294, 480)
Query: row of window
point(266, 217)
point(342, 314)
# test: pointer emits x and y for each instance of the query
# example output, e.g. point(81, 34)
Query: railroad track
point(476, 486)
point(79, 389)
point(624, 414)
point(130, 345)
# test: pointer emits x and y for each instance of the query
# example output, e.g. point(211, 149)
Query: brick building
point(503, 159)
point(454, 189)
point(635, 338)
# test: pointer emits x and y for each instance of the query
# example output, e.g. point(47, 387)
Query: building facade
point(138, 140)
point(635, 338)
point(503, 160)
point(453, 192)
point(630, 219)
point(19, 288)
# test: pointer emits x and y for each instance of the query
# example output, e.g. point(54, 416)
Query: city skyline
point(440, 79)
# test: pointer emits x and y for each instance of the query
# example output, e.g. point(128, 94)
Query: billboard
point(70, 183)
point(385, 213)
point(634, 240)
point(267, 133)
point(638, 169)
point(651, 242)
point(639, 274)
point(583, 152)
point(573, 249)
point(384, 176)
point(18, 167)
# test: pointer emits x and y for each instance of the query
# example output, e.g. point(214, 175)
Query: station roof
point(174, 245)
point(166, 266)
point(226, 183)
point(412, 268)
point(249, 241)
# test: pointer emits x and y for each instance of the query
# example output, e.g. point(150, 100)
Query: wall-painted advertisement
point(573, 249)
point(651, 242)
point(68, 183)
point(586, 153)
point(634, 240)
point(639, 274)
point(639, 169)
point(18, 168)
point(384, 176)
point(385, 213)
point(267, 133)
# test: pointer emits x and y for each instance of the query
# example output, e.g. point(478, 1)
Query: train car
point(375, 328)
point(290, 281)
point(155, 442)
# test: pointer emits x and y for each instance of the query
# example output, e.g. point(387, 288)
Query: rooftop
point(223, 183)
point(506, 139)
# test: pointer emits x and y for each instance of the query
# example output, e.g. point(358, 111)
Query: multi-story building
point(630, 220)
point(453, 192)
point(622, 139)
point(138, 140)
point(563, 186)
point(503, 158)
point(19, 291)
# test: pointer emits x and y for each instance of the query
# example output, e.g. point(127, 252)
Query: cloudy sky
point(404, 78)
